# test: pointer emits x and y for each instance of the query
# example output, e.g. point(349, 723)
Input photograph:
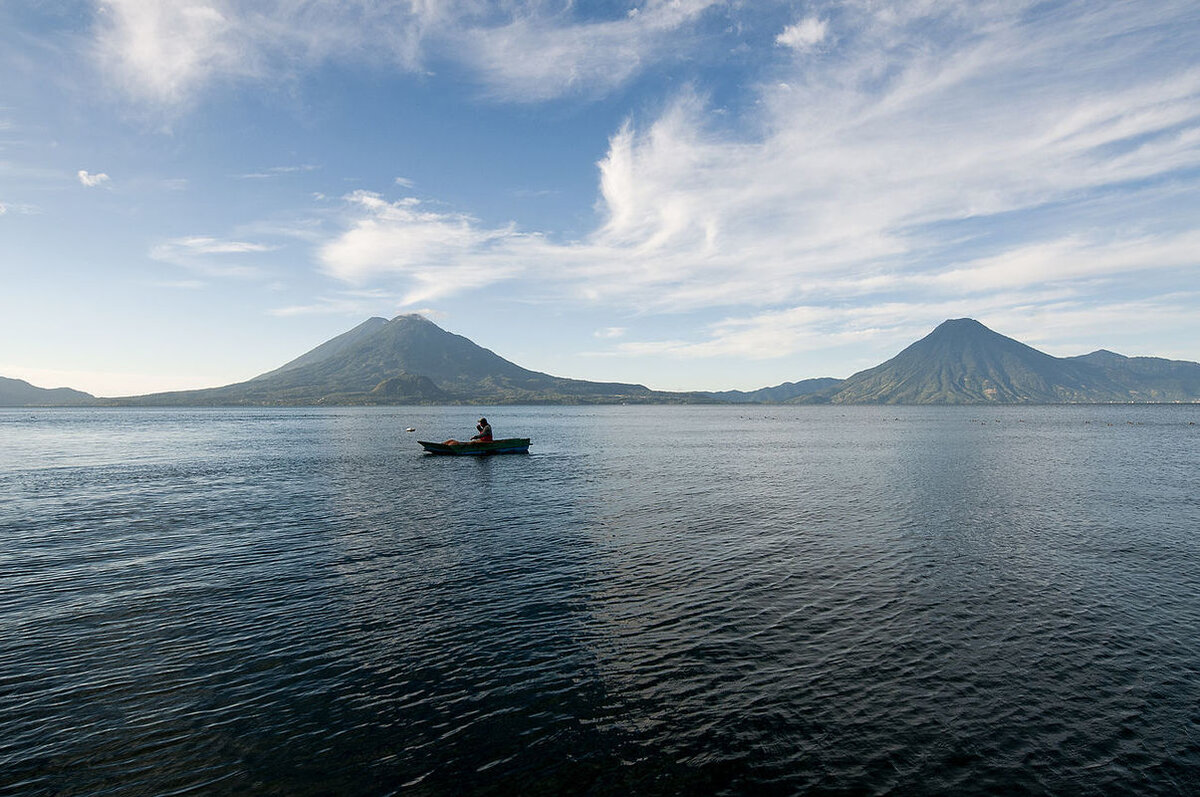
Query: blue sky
point(690, 194)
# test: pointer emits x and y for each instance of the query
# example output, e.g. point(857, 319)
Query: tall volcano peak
point(963, 362)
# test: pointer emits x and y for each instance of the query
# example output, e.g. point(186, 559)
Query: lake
point(654, 600)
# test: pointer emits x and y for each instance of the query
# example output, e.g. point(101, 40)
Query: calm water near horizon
point(655, 600)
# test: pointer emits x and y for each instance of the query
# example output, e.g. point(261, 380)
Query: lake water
point(655, 600)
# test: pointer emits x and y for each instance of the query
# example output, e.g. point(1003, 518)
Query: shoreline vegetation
point(411, 361)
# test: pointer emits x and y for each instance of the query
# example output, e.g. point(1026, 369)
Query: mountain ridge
point(963, 362)
point(408, 359)
point(777, 394)
point(411, 360)
point(330, 348)
point(19, 393)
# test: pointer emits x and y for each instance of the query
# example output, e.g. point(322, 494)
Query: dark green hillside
point(414, 345)
point(964, 362)
point(408, 360)
point(19, 393)
point(777, 394)
point(401, 389)
point(1146, 378)
point(332, 347)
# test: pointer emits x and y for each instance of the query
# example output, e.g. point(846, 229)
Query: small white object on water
point(410, 429)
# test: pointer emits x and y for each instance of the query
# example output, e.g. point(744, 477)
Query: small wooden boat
point(512, 445)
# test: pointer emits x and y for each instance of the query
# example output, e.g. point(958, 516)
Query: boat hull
point(512, 445)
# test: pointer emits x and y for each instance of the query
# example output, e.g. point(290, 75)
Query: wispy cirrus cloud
point(165, 52)
point(278, 171)
point(325, 305)
point(531, 51)
point(851, 180)
point(203, 245)
point(854, 181)
point(342, 303)
point(1059, 324)
point(1066, 259)
point(212, 257)
point(535, 56)
point(923, 158)
point(18, 209)
point(354, 303)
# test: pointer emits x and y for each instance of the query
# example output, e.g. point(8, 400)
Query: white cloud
point(276, 171)
point(18, 209)
point(1054, 322)
point(1068, 329)
point(162, 50)
point(855, 191)
point(166, 52)
point(204, 245)
point(536, 57)
point(211, 257)
point(352, 303)
point(91, 180)
point(325, 306)
point(781, 333)
point(1070, 258)
point(435, 254)
point(609, 333)
point(804, 35)
point(863, 169)
point(535, 193)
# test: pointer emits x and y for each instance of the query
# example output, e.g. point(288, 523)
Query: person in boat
point(484, 434)
point(485, 431)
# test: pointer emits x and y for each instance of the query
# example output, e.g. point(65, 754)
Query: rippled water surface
point(656, 600)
